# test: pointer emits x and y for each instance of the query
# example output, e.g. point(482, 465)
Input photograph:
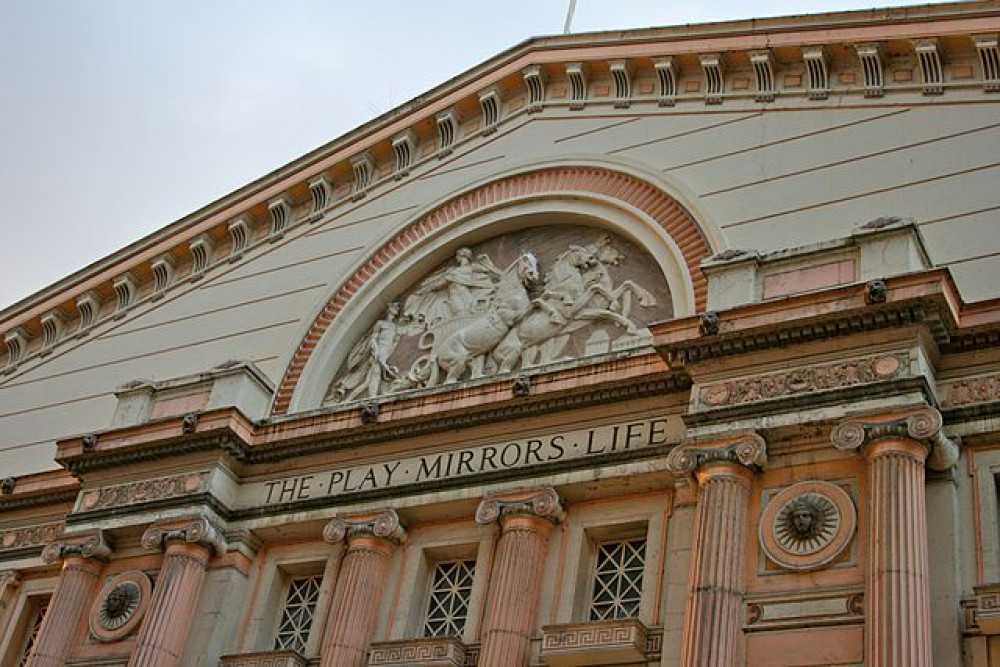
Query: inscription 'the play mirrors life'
point(481, 459)
point(520, 300)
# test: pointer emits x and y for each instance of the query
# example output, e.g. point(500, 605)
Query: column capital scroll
point(198, 531)
point(380, 523)
point(923, 425)
point(543, 503)
point(92, 544)
point(748, 449)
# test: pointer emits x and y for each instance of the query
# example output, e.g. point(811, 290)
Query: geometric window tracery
point(297, 614)
point(618, 580)
point(448, 604)
point(36, 625)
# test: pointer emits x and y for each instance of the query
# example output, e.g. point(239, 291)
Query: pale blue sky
point(118, 117)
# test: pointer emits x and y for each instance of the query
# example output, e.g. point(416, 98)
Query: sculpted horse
point(469, 344)
point(578, 290)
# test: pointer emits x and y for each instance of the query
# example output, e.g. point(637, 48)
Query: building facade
point(676, 346)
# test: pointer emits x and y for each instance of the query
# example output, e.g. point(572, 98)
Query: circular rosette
point(807, 525)
point(120, 606)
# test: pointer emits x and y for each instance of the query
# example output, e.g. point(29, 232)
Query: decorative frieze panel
point(264, 659)
point(30, 536)
point(496, 308)
point(600, 643)
point(144, 491)
point(802, 381)
point(971, 391)
point(804, 610)
point(427, 652)
point(987, 611)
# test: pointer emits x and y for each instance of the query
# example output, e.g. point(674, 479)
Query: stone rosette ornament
point(808, 525)
point(120, 606)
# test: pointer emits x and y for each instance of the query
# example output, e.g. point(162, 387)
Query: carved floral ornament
point(120, 606)
point(922, 425)
point(511, 303)
point(807, 525)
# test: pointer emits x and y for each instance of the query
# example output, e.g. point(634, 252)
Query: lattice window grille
point(32, 636)
point(534, 80)
point(618, 580)
point(871, 65)
point(763, 69)
point(52, 328)
point(320, 189)
point(621, 71)
point(819, 78)
point(714, 81)
point(929, 53)
point(667, 73)
point(489, 100)
point(88, 305)
point(125, 288)
point(448, 604)
point(989, 58)
point(577, 75)
point(447, 125)
point(281, 215)
point(297, 614)
point(201, 254)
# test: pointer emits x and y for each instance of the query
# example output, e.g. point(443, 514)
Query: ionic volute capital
point(382, 523)
point(747, 449)
point(922, 425)
point(542, 503)
point(92, 544)
point(198, 531)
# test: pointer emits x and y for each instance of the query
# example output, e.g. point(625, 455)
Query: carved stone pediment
point(514, 302)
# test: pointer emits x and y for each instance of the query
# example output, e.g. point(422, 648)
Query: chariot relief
point(517, 301)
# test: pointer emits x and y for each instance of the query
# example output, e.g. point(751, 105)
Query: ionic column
point(370, 538)
point(897, 593)
point(526, 520)
point(83, 557)
point(712, 633)
point(188, 545)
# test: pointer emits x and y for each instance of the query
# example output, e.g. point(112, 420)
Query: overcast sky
point(118, 117)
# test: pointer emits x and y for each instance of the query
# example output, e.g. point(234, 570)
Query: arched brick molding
point(625, 188)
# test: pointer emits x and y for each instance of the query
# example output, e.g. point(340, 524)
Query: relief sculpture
point(514, 302)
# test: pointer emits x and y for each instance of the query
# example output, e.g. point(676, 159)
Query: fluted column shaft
point(712, 633)
point(65, 612)
point(898, 626)
point(165, 628)
point(354, 612)
point(514, 590)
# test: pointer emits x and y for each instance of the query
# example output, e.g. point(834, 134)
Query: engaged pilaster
point(712, 634)
point(188, 545)
point(371, 539)
point(898, 621)
point(526, 519)
point(83, 556)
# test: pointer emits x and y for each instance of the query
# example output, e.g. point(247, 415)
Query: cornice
point(928, 299)
point(230, 433)
point(332, 160)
